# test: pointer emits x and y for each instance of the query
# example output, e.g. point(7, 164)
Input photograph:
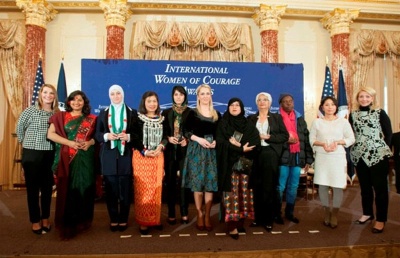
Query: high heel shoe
point(359, 221)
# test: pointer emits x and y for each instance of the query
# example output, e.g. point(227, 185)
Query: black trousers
point(172, 185)
point(374, 181)
point(265, 182)
point(119, 193)
point(38, 179)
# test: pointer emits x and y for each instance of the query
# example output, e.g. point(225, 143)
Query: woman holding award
point(236, 137)
point(329, 136)
point(175, 152)
point(200, 167)
point(264, 180)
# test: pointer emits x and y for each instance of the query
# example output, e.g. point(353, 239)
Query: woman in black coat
point(264, 179)
point(175, 152)
point(235, 137)
point(114, 128)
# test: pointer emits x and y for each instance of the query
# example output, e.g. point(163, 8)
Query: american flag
point(39, 81)
point(327, 90)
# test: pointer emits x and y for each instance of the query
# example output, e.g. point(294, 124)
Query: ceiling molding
point(383, 12)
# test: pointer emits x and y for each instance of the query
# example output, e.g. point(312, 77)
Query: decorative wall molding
point(374, 11)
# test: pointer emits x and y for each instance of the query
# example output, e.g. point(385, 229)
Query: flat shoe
point(114, 228)
point(234, 236)
point(185, 221)
point(364, 221)
point(268, 228)
point(377, 231)
point(38, 231)
point(209, 228)
point(241, 230)
point(171, 221)
point(47, 229)
point(254, 224)
point(122, 228)
point(144, 231)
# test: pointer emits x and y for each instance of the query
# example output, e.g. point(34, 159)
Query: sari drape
point(75, 174)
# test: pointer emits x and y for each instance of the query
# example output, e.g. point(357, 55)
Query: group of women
point(139, 150)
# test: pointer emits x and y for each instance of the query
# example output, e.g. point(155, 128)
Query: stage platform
point(309, 238)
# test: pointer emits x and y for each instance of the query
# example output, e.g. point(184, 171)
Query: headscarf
point(238, 123)
point(226, 155)
point(117, 120)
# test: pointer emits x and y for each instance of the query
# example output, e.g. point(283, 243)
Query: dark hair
point(180, 89)
point(335, 102)
point(86, 106)
point(142, 106)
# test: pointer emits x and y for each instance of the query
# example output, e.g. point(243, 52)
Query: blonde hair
point(54, 105)
point(210, 105)
point(370, 91)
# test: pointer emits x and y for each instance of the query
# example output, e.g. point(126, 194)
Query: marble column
point(116, 13)
point(37, 14)
point(338, 23)
point(267, 18)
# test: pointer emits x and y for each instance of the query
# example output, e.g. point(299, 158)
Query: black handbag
point(242, 166)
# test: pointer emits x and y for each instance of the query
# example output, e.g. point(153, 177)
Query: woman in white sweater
point(329, 136)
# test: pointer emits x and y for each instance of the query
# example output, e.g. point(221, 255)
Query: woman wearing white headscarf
point(113, 129)
point(264, 179)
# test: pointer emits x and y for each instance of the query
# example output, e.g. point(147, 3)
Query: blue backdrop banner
point(227, 80)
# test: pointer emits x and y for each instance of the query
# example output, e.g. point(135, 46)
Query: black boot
point(289, 210)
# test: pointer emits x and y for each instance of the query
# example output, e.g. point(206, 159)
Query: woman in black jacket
point(175, 152)
point(235, 137)
point(264, 179)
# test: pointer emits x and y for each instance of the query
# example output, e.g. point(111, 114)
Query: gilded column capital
point(116, 12)
point(338, 21)
point(267, 17)
point(37, 12)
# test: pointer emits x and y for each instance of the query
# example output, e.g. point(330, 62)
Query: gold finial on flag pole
point(40, 54)
point(62, 56)
point(327, 60)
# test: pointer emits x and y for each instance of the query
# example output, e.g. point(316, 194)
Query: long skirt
point(147, 181)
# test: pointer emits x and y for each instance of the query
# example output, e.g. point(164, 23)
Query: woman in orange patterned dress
point(148, 164)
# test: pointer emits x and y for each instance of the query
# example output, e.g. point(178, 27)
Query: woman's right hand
point(112, 136)
point(173, 140)
point(74, 145)
point(203, 143)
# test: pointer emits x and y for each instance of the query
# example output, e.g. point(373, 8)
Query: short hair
point(334, 100)
point(142, 106)
point(266, 95)
point(86, 106)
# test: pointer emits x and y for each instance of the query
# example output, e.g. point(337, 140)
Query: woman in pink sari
point(74, 163)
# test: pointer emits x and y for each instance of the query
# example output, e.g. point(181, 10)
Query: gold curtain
point(375, 57)
point(12, 47)
point(161, 40)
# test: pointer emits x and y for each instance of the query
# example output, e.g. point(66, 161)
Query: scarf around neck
point(290, 123)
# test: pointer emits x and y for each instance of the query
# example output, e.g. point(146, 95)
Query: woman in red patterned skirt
point(148, 164)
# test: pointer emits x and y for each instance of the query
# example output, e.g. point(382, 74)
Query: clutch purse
point(242, 166)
